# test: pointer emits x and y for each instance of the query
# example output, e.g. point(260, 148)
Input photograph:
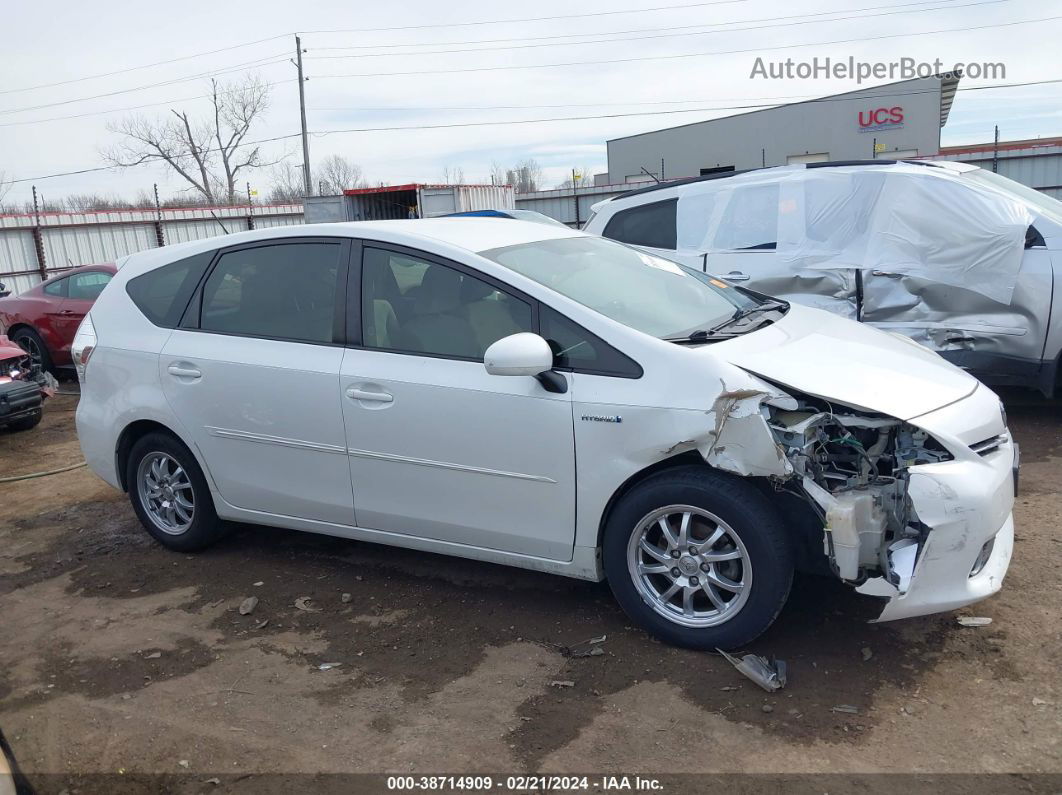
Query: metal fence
point(35, 247)
point(568, 206)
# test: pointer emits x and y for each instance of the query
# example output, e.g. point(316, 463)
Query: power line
point(324, 133)
point(789, 98)
point(760, 49)
point(661, 35)
point(621, 32)
point(131, 107)
point(148, 159)
point(860, 97)
point(280, 58)
point(526, 19)
point(138, 107)
point(141, 66)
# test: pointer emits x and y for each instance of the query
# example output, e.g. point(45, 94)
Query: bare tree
point(287, 185)
point(498, 175)
point(453, 175)
point(525, 176)
point(335, 174)
point(79, 202)
point(210, 152)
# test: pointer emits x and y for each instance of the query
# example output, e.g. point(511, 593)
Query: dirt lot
point(119, 657)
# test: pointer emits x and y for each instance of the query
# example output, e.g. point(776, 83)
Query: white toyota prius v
point(530, 395)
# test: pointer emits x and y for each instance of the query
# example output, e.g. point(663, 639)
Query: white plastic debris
point(248, 605)
point(974, 621)
point(768, 674)
point(328, 666)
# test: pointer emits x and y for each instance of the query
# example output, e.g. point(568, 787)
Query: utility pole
point(38, 237)
point(307, 188)
point(160, 236)
point(575, 198)
point(995, 152)
point(250, 208)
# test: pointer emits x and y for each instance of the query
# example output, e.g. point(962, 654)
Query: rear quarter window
point(162, 294)
point(650, 225)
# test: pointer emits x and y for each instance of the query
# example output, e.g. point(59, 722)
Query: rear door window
point(284, 291)
point(651, 225)
point(750, 221)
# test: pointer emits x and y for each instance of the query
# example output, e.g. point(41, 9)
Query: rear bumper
point(966, 504)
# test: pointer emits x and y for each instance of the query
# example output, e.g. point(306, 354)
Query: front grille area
point(987, 446)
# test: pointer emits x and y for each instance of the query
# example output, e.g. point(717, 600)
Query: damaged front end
point(24, 386)
point(854, 470)
point(919, 517)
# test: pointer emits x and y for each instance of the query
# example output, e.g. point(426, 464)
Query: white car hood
point(827, 356)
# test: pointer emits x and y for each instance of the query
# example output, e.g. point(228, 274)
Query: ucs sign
point(880, 119)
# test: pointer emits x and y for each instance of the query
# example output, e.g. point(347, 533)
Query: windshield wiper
point(701, 336)
point(741, 314)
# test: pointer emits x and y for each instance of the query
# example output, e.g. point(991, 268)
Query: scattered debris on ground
point(248, 605)
point(305, 603)
point(846, 708)
point(768, 674)
point(974, 621)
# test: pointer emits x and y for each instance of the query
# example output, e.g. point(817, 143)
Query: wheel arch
point(18, 325)
point(135, 431)
point(690, 457)
point(805, 529)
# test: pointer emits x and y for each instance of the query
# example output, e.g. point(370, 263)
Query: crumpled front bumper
point(966, 503)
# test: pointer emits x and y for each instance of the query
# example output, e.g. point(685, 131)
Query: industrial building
point(896, 121)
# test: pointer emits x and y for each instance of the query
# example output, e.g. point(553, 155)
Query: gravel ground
point(118, 657)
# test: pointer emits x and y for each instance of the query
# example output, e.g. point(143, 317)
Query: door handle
point(66, 311)
point(888, 274)
point(184, 371)
point(362, 394)
point(737, 276)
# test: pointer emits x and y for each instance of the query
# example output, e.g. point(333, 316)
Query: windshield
point(1041, 203)
point(647, 293)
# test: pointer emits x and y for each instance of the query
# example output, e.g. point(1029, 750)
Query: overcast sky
point(64, 40)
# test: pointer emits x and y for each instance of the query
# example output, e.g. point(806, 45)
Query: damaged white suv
point(530, 395)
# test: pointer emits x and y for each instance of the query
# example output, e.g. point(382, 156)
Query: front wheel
point(170, 495)
point(698, 558)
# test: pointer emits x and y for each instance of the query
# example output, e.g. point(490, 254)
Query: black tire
point(27, 422)
point(205, 527)
point(747, 512)
point(29, 340)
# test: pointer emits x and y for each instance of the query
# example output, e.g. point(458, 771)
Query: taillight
point(82, 347)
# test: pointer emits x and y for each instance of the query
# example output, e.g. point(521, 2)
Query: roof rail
point(675, 183)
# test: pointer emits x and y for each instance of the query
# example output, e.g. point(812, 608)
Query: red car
point(44, 319)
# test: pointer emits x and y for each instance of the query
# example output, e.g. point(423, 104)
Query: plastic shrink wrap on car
point(907, 219)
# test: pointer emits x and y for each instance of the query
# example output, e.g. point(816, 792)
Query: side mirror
point(519, 354)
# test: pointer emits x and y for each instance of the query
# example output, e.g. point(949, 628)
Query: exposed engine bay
point(24, 386)
point(853, 468)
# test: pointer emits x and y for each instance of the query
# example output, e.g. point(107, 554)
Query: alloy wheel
point(689, 566)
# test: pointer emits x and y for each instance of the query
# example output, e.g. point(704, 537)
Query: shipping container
point(407, 201)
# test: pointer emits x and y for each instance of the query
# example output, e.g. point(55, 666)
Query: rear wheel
point(170, 495)
point(698, 558)
point(30, 341)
